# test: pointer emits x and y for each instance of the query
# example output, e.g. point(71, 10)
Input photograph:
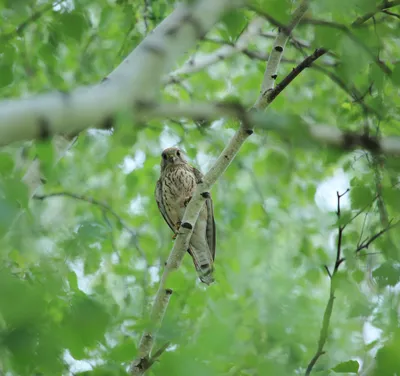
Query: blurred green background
point(77, 278)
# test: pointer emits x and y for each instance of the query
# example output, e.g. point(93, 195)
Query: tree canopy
point(289, 108)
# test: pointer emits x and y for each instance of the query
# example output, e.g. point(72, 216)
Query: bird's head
point(171, 156)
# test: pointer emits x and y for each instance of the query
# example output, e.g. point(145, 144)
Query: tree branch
point(366, 243)
point(306, 63)
point(104, 206)
point(383, 6)
point(385, 69)
point(391, 14)
point(137, 78)
point(323, 335)
point(271, 72)
point(196, 203)
point(320, 134)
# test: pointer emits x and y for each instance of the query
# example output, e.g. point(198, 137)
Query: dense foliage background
point(79, 269)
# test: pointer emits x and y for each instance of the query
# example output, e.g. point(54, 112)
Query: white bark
point(138, 78)
point(275, 57)
point(320, 134)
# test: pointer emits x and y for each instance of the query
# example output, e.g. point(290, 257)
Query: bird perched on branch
point(174, 190)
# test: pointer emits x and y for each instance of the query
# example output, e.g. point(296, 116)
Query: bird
point(174, 189)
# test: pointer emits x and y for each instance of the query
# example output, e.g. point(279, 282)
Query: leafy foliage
point(79, 269)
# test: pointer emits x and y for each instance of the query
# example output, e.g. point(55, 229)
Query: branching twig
point(278, 47)
point(346, 30)
point(339, 260)
point(350, 90)
point(306, 63)
point(323, 335)
point(391, 14)
point(104, 206)
point(147, 363)
point(386, 4)
point(223, 53)
point(30, 20)
point(366, 243)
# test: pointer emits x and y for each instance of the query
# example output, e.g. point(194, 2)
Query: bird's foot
point(187, 201)
point(177, 227)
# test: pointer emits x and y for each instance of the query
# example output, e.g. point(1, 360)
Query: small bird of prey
point(175, 187)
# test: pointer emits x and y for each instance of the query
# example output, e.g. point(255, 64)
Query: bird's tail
point(204, 264)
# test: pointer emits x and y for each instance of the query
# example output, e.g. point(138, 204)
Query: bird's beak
point(172, 159)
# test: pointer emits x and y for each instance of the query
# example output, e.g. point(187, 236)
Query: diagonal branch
point(366, 243)
point(274, 60)
point(138, 77)
point(386, 4)
point(306, 63)
point(202, 191)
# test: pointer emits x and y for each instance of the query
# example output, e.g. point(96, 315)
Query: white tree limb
point(196, 203)
point(275, 57)
point(319, 134)
point(137, 78)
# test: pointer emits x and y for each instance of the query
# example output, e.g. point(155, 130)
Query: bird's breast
point(180, 182)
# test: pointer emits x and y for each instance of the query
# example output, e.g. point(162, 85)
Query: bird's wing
point(161, 206)
point(210, 228)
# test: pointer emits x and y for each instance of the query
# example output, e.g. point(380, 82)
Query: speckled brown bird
point(174, 190)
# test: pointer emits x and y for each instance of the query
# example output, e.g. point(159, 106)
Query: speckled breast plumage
point(178, 186)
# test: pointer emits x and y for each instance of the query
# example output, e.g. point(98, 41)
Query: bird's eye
point(178, 153)
point(164, 155)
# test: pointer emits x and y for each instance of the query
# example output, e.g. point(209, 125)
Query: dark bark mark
point(187, 225)
point(44, 129)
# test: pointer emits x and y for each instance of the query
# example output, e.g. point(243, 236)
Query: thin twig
point(100, 204)
point(30, 20)
point(306, 63)
point(323, 335)
point(381, 7)
point(350, 90)
point(366, 243)
point(223, 53)
point(385, 69)
point(391, 14)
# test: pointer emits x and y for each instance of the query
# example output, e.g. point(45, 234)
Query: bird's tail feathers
point(204, 265)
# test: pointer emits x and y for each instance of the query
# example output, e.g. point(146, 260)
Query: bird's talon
point(187, 201)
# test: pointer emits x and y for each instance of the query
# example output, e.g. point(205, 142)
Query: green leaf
point(6, 74)
point(6, 164)
point(84, 324)
point(388, 274)
point(361, 196)
point(72, 25)
point(123, 351)
point(351, 366)
point(235, 21)
point(45, 152)
point(387, 358)
point(396, 74)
